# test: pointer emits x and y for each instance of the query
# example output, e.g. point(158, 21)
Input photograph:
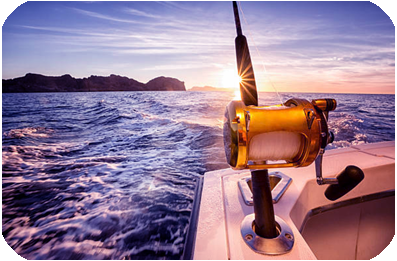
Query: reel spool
point(262, 137)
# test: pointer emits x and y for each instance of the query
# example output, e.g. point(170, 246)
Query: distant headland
point(66, 83)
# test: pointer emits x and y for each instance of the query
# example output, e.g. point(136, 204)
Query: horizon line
point(286, 92)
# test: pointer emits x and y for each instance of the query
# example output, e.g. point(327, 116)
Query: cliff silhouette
point(66, 83)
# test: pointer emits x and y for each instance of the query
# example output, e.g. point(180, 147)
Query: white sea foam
point(37, 132)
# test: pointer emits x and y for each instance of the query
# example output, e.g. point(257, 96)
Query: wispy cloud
point(178, 5)
point(54, 29)
point(134, 42)
point(160, 22)
point(105, 17)
point(141, 13)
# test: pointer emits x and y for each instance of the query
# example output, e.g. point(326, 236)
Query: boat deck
point(223, 208)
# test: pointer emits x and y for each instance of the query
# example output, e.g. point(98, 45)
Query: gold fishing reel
point(285, 135)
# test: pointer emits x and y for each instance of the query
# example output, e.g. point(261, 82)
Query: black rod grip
point(249, 94)
point(348, 179)
point(265, 224)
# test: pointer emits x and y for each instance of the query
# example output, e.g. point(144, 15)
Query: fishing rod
point(293, 134)
point(249, 94)
point(263, 205)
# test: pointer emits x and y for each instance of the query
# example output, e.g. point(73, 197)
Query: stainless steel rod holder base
point(279, 245)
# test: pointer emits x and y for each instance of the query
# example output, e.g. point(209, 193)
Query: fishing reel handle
point(349, 178)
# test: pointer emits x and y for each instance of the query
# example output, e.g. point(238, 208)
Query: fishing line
point(280, 145)
point(260, 56)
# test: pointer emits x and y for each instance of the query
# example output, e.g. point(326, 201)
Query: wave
point(36, 132)
point(348, 130)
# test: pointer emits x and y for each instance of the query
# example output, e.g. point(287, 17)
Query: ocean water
point(112, 175)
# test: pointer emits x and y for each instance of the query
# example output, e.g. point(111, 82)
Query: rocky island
point(66, 83)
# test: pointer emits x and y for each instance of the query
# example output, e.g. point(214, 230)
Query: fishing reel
point(285, 135)
point(293, 134)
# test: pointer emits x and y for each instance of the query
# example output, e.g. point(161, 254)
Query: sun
point(230, 79)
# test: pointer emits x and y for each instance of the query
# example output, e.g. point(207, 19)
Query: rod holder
point(262, 231)
point(279, 245)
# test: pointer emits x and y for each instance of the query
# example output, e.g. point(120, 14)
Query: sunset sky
point(296, 46)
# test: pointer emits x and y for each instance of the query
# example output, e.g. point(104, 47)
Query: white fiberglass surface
point(357, 231)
